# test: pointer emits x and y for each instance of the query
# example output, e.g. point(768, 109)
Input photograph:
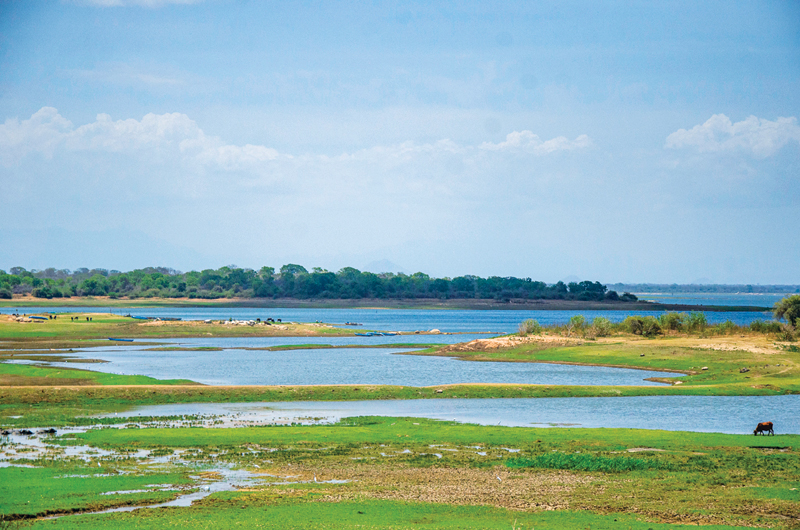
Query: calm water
point(738, 299)
point(395, 319)
point(733, 415)
point(339, 366)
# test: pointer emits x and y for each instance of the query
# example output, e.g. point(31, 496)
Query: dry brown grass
point(517, 489)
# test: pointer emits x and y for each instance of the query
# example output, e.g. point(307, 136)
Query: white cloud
point(139, 3)
point(131, 135)
point(759, 137)
point(47, 130)
point(42, 132)
point(526, 141)
point(175, 134)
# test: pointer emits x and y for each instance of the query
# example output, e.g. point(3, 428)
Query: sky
point(610, 141)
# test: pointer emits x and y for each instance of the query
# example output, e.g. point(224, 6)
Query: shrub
point(577, 324)
point(633, 324)
point(650, 326)
point(726, 327)
point(761, 326)
point(785, 334)
point(529, 326)
point(696, 321)
point(5, 293)
point(672, 321)
point(601, 327)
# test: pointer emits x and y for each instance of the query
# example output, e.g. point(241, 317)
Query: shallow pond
point(328, 366)
point(728, 414)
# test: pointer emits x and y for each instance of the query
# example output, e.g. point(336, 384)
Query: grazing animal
point(764, 428)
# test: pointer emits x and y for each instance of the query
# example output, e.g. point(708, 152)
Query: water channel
point(725, 414)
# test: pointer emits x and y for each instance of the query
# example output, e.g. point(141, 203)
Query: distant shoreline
point(373, 303)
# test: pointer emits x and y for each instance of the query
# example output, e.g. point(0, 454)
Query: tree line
point(291, 281)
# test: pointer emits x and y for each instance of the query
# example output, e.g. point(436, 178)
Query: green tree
point(293, 268)
point(788, 309)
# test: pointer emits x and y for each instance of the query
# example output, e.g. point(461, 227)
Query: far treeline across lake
point(292, 281)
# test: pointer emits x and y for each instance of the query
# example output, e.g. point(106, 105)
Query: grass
point(29, 375)
point(584, 462)
point(587, 475)
point(289, 511)
point(103, 325)
point(28, 492)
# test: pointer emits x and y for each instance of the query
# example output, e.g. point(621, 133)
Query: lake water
point(233, 366)
point(730, 299)
point(499, 321)
point(727, 414)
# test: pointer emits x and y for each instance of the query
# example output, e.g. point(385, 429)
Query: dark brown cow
point(764, 428)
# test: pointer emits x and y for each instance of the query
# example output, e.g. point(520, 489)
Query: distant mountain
point(384, 265)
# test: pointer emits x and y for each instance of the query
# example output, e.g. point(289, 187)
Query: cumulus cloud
point(47, 131)
point(42, 132)
point(758, 137)
point(526, 141)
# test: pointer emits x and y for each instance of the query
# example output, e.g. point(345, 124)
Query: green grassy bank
point(394, 473)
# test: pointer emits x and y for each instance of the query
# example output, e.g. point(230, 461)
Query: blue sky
point(613, 141)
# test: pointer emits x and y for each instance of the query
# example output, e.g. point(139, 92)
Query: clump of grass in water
point(584, 462)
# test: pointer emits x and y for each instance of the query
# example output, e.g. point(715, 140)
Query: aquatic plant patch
point(585, 462)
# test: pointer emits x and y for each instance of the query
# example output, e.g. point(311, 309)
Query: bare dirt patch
point(498, 486)
point(503, 343)
point(23, 380)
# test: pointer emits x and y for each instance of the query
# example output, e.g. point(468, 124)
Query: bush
point(633, 324)
point(785, 334)
point(529, 326)
point(761, 326)
point(726, 327)
point(650, 326)
point(696, 321)
point(601, 327)
point(672, 321)
point(5, 293)
point(577, 324)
